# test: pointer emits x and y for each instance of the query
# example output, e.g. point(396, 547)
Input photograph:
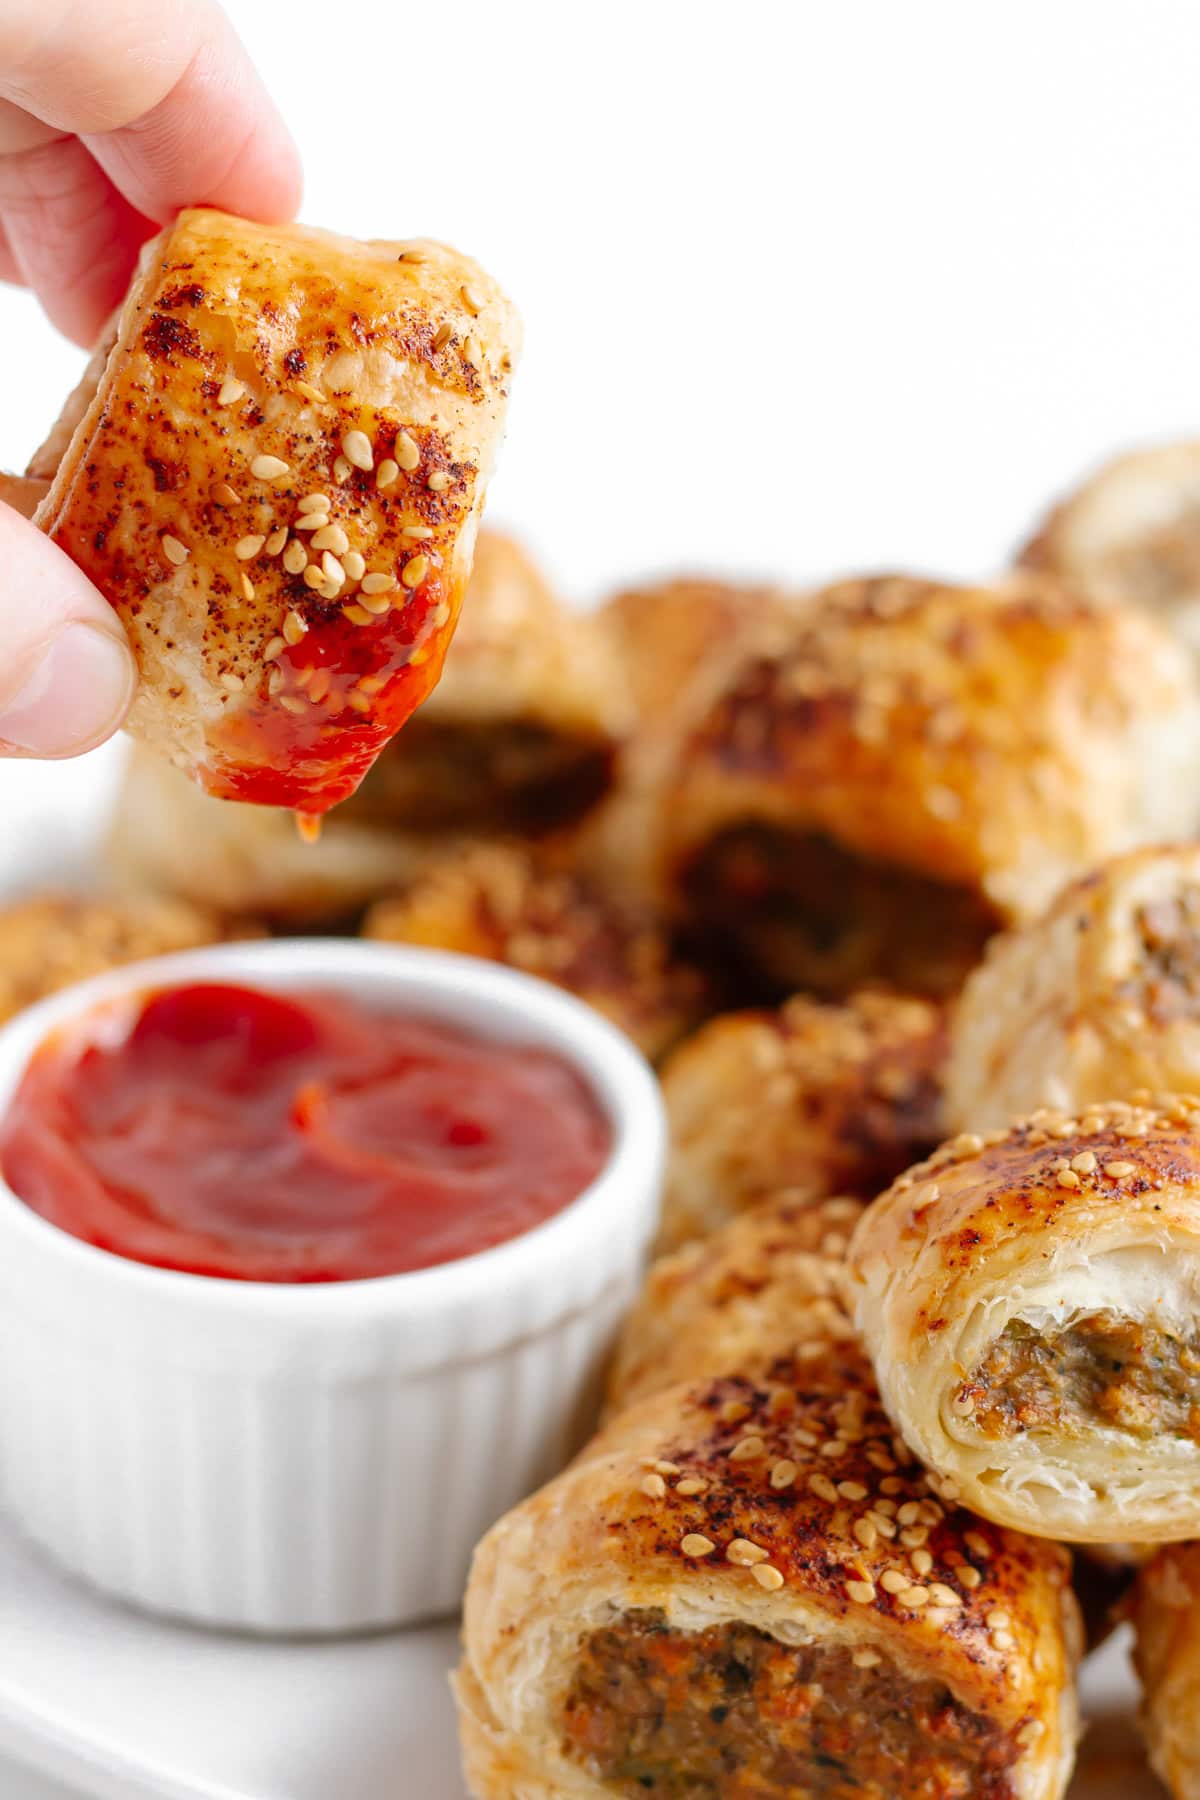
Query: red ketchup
point(271, 1137)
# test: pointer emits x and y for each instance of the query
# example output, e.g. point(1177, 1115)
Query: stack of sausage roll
point(874, 872)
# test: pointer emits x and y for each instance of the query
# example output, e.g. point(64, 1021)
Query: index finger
point(164, 96)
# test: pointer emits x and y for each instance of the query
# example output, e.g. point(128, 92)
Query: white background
point(807, 286)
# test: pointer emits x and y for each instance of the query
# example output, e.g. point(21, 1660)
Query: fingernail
point(76, 697)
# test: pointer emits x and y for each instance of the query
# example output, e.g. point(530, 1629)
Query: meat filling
point(818, 919)
point(732, 1714)
point(1101, 1370)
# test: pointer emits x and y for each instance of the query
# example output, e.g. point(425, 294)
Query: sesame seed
point(970, 1578)
point(747, 1449)
point(866, 1659)
point(470, 299)
point(247, 547)
point(1067, 1178)
point(319, 686)
point(274, 681)
point(861, 1592)
point(893, 1581)
point(997, 1619)
point(963, 1404)
point(233, 683)
point(173, 550)
point(308, 392)
point(314, 503)
point(690, 1484)
point(407, 453)
point(1084, 1163)
point(892, 1484)
point(745, 1554)
point(442, 335)
point(313, 521)
point(356, 448)
point(294, 627)
point(909, 1513)
point(314, 576)
point(654, 1487)
point(386, 473)
point(331, 537)
point(223, 494)
point(355, 565)
point(359, 702)
point(914, 1597)
point(822, 1487)
point(1118, 1170)
point(696, 1545)
point(767, 1576)
point(978, 1545)
point(852, 1490)
point(276, 541)
point(473, 351)
point(291, 703)
point(381, 584)
point(784, 1474)
point(341, 468)
point(835, 1446)
point(1004, 1640)
point(231, 390)
point(439, 481)
point(275, 647)
point(332, 567)
point(375, 604)
point(295, 557)
point(415, 571)
point(420, 532)
point(329, 590)
point(247, 588)
point(921, 1561)
point(866, 1532)
point(268, 468)
point(1030, 1733)
point(356, 615)
point(941, 1595)
point(914, 1537)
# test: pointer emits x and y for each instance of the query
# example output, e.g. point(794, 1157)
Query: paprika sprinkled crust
point(255, 369)
point(1098, 997)
point(815, 1098)
point(917, 765)
point(1029, 1299)
point(747, 1536)
point(1166, 1618)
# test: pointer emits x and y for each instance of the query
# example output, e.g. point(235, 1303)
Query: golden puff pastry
point(51, 940)
point(1130, 534)
point(667, 633)
point(506, 903)
point(916, 766)
point(274, 473)
point(1030, 1301)
point(1166, 1616)
point(764, 1283)
point(24, 493)
point(1098, 998)
point(815, 1098)
point(746, 1587)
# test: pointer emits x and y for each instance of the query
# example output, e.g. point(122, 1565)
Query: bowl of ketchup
point(311, 1254)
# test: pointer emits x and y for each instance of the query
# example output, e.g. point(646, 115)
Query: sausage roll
point(745, 1587)
point(1100, 997)
point(763, 1283)
point(814, 1098)
point(24, 493)
point(917, 766)
point(1131, 534)
point(52, 940)
point(276, 480)
point(1031, 1301)
point(1166, 1615)
point(503, 902)
point(665, 634)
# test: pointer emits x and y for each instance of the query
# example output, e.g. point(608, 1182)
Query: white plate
point(122, 1707)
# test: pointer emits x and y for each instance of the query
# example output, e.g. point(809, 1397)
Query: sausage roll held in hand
point(745, 1587)
point(814, 1098)
point(1130, 534)
point(1031, 1301)
point(504, 902)
point(274, 472)
point(1166, 1616)
point(917, 765)
point(1098, 998)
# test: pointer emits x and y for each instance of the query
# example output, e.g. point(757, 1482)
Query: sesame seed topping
point(997, 1619)
point(978, 1545)
point(1004, 1640)
point(439, 481)
point(442, 335)
point(866, 1659)
point(852, 1490)
point(921, 1561)
point(914, 1597)
point(341, 468)
point(378, 583)
point(690, 1485)
point(293, 627)
point(356, 448)
point(314, 576)
point(867, 1533)
point(331, 537)
point(784, 1474)
point(473, 351)
point(893, 1581)
point(375, 604)
point(268, 468)
point(274, 681)
point(292, 703)
point(247, 547)
point(233, 683)
point(745, 1554)
point(354, 564)
point(320, 685)
point(415, 571)
point(223, 494)
point(970, 1578)
point(407, 453)
point(358, 702)
point(314, 503)
point(313, 521)
point(747, 1449)
point(231, 390)
point(386, 473)
point(914, 1537)
point(295, 557)
point(1084, 1163)
point(861, 1592)
point(1118, 1170)
point(1067, 1178)
point(767, 1576)
point(276, 541)
point(694, 1544)
point(275, 647)
point(941, 1595)
point(963, 1404)
point(173, 550)
point(420, 532)
point(653, 1486)
point(822, 1487)
point(470, 299)
point(909, 1513)
point(332, 567)
point(247, 588)
point(356, 615)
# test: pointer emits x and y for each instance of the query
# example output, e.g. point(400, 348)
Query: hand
point(113, 115)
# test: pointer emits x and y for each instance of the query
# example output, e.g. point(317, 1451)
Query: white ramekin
point(323, 1458)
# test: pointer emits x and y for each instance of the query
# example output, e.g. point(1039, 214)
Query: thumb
point(67, 675)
